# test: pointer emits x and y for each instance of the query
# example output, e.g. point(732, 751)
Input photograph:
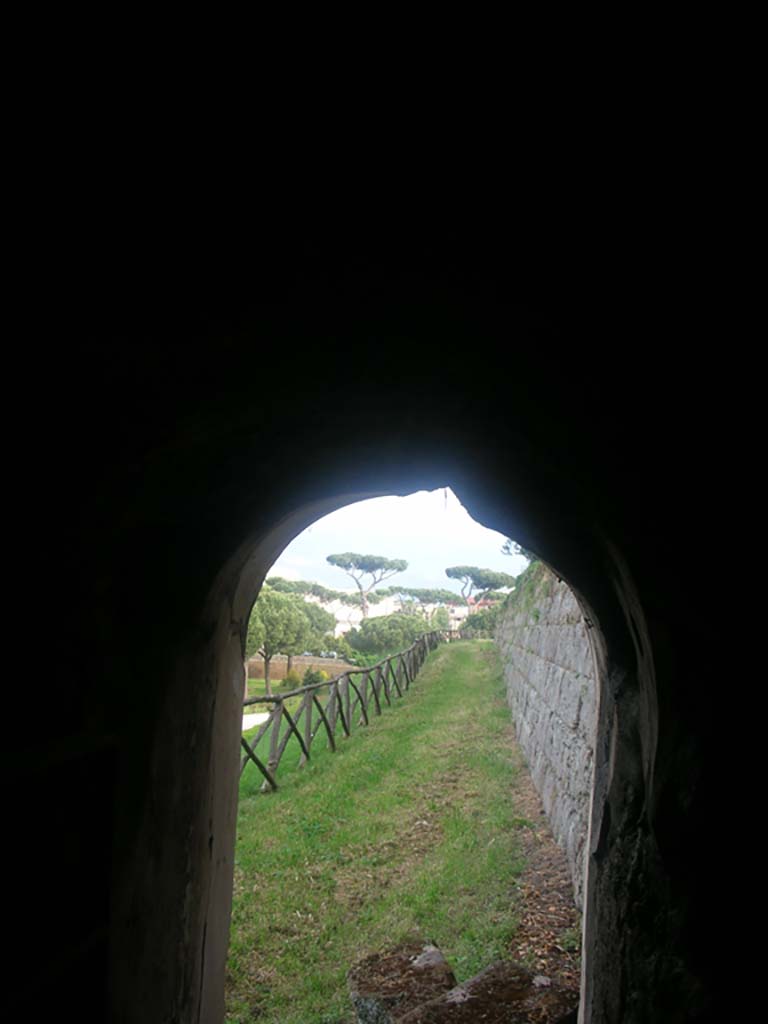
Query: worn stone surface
point(588, 442)
point(551, 691)
point(504, 993)
point(385, 986)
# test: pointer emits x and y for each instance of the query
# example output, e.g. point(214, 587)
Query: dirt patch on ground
point(379, 865)
point(548, 937)
point(387, 862)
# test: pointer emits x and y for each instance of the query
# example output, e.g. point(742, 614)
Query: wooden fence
point(347, 701)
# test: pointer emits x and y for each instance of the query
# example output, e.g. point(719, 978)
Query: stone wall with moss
point(552, 693)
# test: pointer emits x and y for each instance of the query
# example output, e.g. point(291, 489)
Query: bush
point(340, 644)
point(292, 680)
point(313, 676)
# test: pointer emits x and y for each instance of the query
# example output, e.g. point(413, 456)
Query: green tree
point(322, 621)
point(304, 636)
point(344, 649)
point(422, 595)
point(407, 606)
point(433, 595)
point(440, 619)
point(386, 634)
point(287, 586)
point(254, 639)
point(281, 627)
point(358, 567)
point(323, 626)
point(306, 588)
point(483, 580)
point(484, 621)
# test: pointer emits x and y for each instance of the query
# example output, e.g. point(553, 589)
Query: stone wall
point(278, 669)
point(552, 693)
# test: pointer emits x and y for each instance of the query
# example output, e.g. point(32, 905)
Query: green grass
point(257, 688)
point(408, 831)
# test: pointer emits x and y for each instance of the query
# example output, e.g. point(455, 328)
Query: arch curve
point(601, 599)
point(216, 434)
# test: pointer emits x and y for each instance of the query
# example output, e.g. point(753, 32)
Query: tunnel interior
point(191, 438)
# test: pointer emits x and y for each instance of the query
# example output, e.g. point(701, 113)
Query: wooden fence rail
point(347, 702)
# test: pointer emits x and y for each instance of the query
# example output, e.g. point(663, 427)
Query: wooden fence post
point(306, 707)
point(274, 743)
point(348, 701)
point(331, 706)
point(340, 704)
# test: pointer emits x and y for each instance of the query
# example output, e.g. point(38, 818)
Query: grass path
point(408, 831)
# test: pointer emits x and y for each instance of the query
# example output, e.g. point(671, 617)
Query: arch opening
point(270, 548)
point(604, 590)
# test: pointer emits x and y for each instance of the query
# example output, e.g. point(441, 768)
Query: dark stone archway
point(199, 428)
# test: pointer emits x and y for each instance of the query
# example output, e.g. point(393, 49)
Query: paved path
point(250, 720)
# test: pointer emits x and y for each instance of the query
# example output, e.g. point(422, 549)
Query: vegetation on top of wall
point(532, 585)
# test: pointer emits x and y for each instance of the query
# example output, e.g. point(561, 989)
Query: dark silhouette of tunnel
point(194, 423)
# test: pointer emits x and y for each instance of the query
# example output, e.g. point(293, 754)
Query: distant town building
point(349, 617)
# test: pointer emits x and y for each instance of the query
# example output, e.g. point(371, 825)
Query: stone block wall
point(552, 693)
point(279, 667)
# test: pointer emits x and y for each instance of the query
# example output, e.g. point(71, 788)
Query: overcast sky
point(431, 530)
